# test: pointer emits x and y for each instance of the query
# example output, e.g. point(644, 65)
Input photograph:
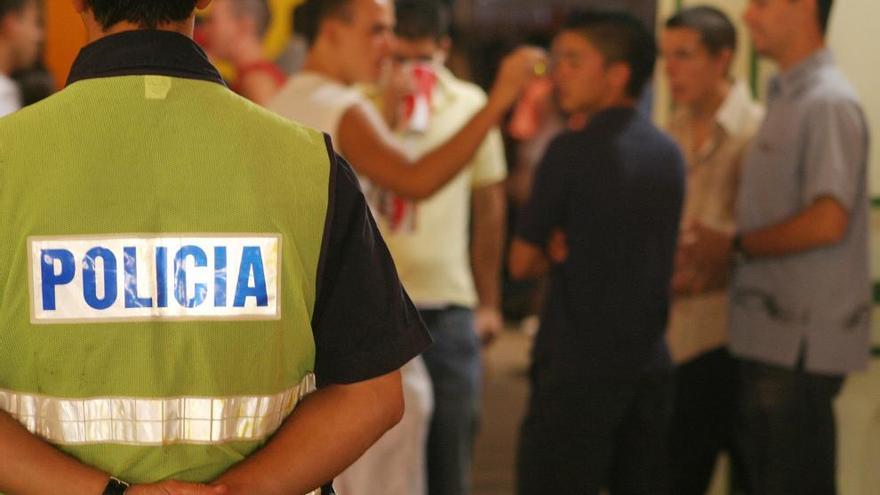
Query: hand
point(177, 488)
point(703, 258)
point(489, 324)
point(517, 71)
point(557, 247)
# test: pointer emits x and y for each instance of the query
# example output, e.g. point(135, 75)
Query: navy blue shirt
point(616, 189)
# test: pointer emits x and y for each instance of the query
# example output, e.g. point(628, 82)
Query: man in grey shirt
point(801, 299)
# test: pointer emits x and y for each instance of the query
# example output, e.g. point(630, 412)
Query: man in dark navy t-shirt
point(603, 220)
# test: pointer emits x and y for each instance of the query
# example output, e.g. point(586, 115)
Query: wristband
point(115, 487)
point(740, 255)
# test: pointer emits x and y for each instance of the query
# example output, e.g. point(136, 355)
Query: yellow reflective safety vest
point(158, 268)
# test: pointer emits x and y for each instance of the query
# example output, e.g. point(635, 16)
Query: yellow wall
point(65, 35)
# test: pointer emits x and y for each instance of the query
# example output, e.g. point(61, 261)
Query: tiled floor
point(506, 391)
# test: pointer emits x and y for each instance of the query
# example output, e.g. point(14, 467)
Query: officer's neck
point(95, 31)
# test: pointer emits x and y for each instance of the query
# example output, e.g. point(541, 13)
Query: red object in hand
point(417, 105)
point(529, 112)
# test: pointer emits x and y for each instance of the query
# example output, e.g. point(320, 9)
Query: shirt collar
point(733, 116)
point(443, 95)
point(796, 77)
point(145, 52)
point(612, 117)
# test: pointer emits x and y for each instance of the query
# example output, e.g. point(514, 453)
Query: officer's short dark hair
point(148, 14)
point(9, 6)
point(717, 32)
point(823, 8)
point(422, 19)
point(311, 14)
point(621, 37)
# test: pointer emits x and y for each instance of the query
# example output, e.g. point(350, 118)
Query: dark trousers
point(789, 431)
point(580, 438)
point(704, 423)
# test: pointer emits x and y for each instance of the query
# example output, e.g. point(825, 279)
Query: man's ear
point(329, 30)
point(203, 4)
point(620, 75)
point(725, 61)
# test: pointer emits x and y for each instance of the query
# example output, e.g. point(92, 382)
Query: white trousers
point(396, 464)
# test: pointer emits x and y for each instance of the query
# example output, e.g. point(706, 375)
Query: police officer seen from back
point(179, 271)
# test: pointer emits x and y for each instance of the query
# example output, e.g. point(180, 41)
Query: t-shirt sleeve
point(365, 325)
point(545, 209)
point(489, 164)
point(835, 153)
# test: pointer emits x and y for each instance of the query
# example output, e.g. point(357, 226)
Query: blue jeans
point(456, 373)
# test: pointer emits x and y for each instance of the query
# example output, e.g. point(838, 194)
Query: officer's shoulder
point(274, 126)
point(29, 120)
point(32, 113)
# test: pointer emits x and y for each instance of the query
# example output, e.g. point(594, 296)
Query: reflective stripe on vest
point(153, 422)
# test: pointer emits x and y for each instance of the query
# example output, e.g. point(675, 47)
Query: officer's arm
point(30, 466)
point(326, 433)
point(366, 141)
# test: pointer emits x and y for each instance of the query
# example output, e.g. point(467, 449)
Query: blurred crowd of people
point(706, 286)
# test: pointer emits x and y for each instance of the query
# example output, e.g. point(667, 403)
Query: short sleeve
point(489, 164)
point(835, 152)
point(365, 325)
point(545, 209)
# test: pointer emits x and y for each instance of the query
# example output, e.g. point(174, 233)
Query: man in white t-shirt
point(451, 274)
point(20, 36)
point(349, 43)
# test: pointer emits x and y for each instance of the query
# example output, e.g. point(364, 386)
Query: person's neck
point(801, 49)
point(617, 101)
point(7, 65)
point(95, 31)
point(705, 108)
point(609, 102)
point(323, 63)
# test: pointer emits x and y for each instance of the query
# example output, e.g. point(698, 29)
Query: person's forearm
point(487, 243)
point(822, 224)
point(527, 261)
point(30, 466)
point(326, 433)
point(427, 175)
